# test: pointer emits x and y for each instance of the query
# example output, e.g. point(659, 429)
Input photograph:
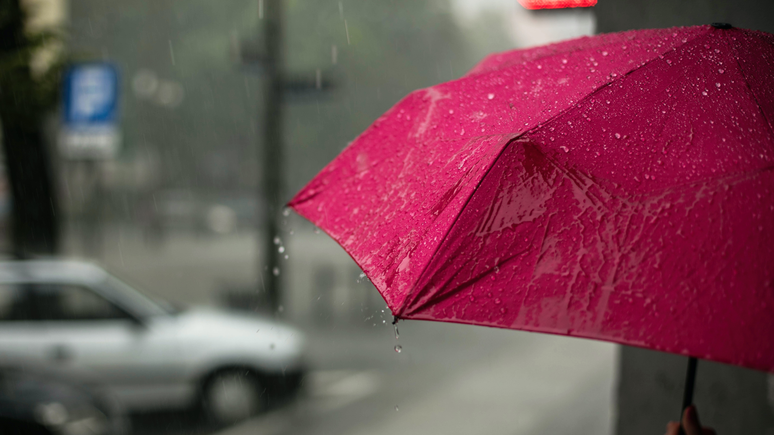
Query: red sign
point(557, 4)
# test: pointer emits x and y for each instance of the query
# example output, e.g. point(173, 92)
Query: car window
point(73, 302)
point(15, 303)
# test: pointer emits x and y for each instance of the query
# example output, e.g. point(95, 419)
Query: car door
point(137, 359)
point(21, 335)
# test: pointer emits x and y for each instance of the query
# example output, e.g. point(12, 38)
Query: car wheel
point(231, 396)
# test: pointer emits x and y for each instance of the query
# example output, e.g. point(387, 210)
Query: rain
point(214, 219)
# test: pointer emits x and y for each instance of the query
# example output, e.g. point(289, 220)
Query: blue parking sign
point(90, 107)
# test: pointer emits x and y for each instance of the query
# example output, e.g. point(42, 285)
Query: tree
point(27, 93)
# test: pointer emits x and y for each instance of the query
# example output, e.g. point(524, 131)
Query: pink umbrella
point(617, 187)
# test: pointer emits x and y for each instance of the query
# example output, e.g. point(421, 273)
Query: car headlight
point(82, 420)
point(51, 414)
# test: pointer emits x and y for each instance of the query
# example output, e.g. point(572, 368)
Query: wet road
point(450, 379)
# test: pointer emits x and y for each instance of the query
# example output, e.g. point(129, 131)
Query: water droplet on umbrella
point(617, 135)
point(565, 149)
point(398, 348)
point(721, 70)
point(490, 96)
point(704, 93)
point(604, 53)
point(718, 85)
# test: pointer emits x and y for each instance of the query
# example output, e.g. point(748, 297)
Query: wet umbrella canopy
point(617, 187)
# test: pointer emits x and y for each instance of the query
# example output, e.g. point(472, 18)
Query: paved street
point(450, 379)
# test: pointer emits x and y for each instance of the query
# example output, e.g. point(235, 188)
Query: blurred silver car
point(79, 317)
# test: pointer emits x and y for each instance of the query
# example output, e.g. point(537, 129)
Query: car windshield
point(139, 304)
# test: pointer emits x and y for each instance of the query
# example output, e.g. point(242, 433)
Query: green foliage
point(26, 96)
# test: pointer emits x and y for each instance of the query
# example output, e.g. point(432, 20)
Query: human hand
point(691, 424)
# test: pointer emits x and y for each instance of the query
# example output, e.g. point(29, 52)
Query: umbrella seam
point(747, 83)
point(601, 87)
point(558, 53)
point(412, 293)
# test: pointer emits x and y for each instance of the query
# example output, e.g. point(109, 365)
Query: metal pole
point(690, 378)
point(272, 151)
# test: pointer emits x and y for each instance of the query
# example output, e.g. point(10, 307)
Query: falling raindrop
point(281, 249)
point(397, 334)
point(277, 240)
point(396, 408)
point(398, 348)
point(276, 271)
point(286, 212)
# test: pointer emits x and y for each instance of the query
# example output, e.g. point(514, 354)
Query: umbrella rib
point(412, 295)
point(752, 93)
point(591, 94)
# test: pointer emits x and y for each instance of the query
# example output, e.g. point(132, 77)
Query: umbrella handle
point(690, 378)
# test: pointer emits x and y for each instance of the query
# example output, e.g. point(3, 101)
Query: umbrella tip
point(722, 25)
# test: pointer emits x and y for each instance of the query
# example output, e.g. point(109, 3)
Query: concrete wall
point(617, 15)
point(730, 399)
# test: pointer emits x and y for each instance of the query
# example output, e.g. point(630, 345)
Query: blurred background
point(159, 140)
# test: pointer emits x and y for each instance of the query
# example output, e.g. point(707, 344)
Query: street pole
point(272, 151)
